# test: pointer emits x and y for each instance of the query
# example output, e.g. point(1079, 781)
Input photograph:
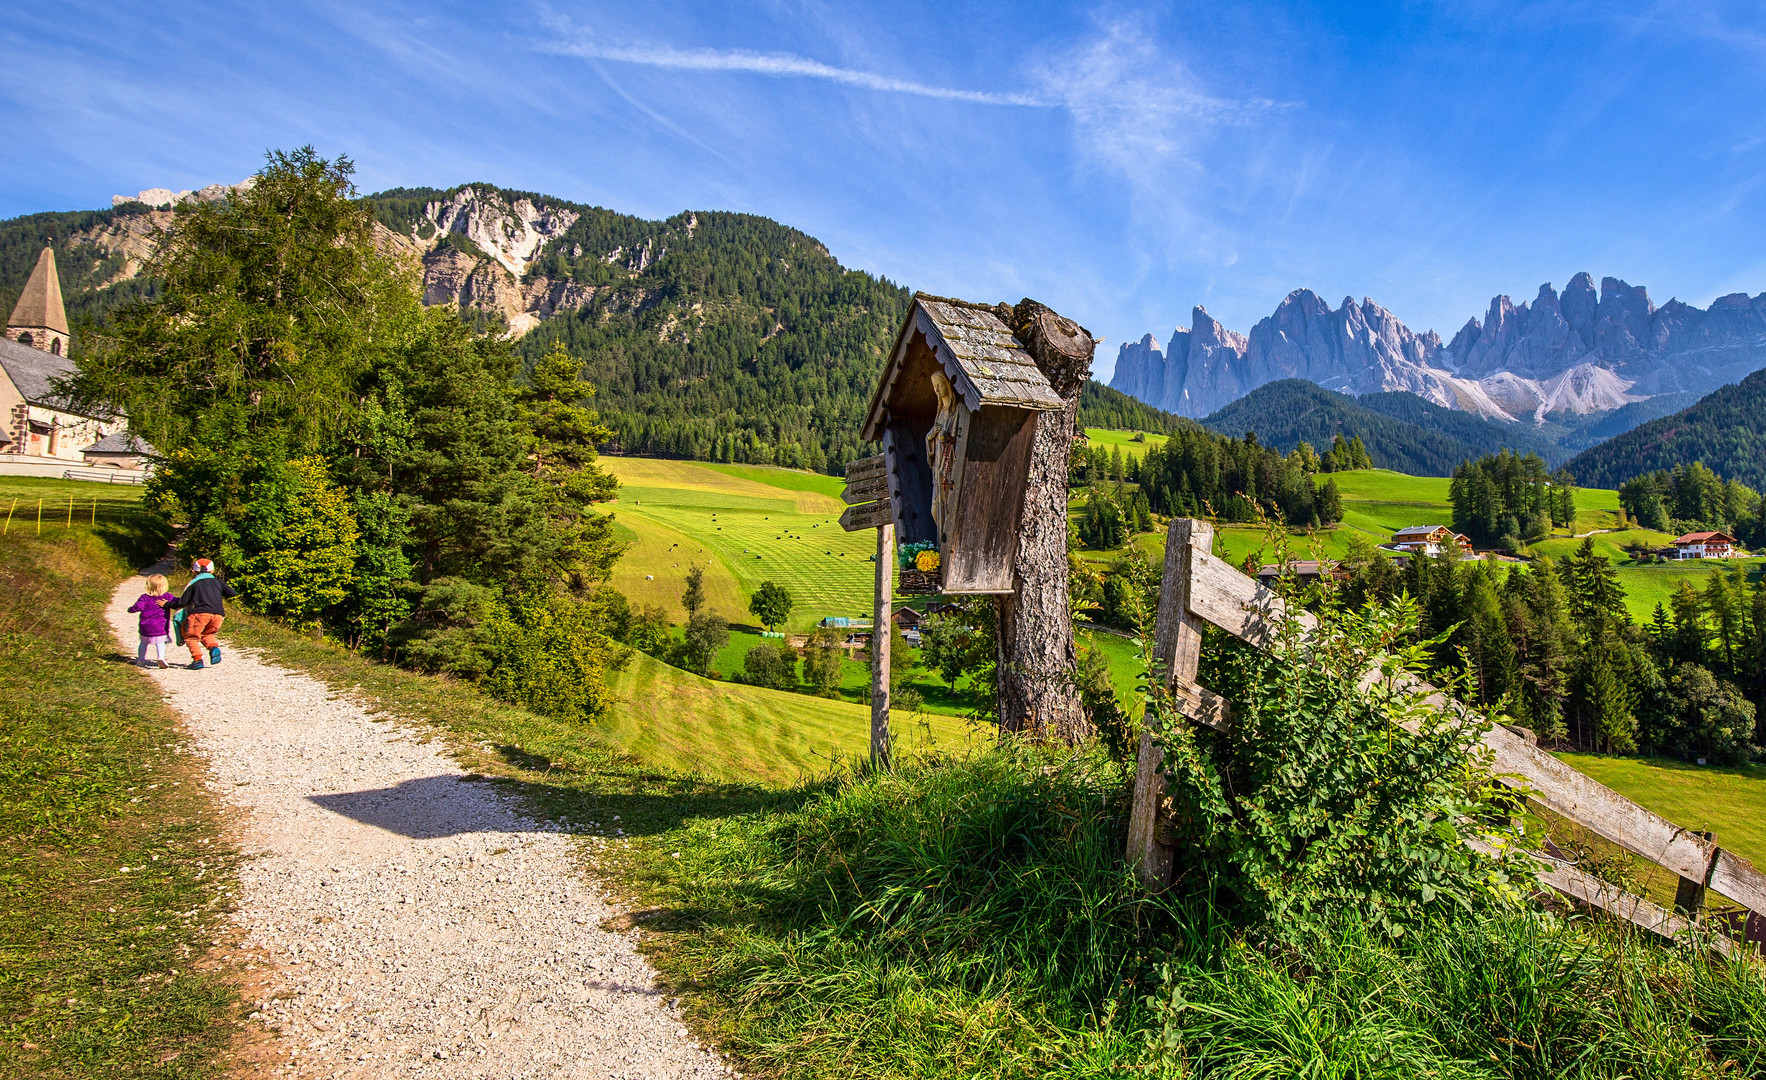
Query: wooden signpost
point(868, 507)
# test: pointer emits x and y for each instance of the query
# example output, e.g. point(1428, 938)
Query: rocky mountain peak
point(510, 231)
point(1582, 350)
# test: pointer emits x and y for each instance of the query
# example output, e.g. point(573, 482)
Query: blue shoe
point(214, 655)
point(197, 666)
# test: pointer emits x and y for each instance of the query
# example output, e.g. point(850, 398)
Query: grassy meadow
point(680, 722)
point(746, 525)
point(1131, 443)
point(115, 877)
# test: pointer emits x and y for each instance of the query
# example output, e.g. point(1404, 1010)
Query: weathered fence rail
point(1200, 588)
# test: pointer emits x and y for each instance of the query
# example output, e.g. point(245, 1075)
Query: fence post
point(39, 517)
point(1689, 894)
point(1177, 649)
point(881, 628)
point(8, 527)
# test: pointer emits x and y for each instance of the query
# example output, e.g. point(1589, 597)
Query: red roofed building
point(1704, 545)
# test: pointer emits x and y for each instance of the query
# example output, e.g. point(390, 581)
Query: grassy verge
point(114, 874)
point(972, 916)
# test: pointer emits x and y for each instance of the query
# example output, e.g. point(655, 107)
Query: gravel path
point(420, 924)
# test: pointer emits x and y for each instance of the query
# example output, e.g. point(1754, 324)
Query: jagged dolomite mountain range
point(1577, 352)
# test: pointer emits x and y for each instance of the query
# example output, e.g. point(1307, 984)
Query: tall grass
point(973, 916)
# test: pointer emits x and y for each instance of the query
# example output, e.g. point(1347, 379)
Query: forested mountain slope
point(1102, 407)
point(711, 335)
point(718, 336)
point(1401, 431)
point(1726, 430)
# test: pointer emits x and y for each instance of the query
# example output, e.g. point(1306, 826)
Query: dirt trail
point(420, 924)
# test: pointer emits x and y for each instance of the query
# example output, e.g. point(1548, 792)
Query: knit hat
point(203, 566)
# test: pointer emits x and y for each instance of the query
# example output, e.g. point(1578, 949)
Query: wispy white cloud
point(781, 66)
point(1138, 108)
point(1187, 154)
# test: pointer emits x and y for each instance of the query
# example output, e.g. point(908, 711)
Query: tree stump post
point(1177, 651)
point(1035, 650)
point(881, 631)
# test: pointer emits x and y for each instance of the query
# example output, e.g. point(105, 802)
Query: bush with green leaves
point(293, 552)
point(552, 656)
point(1321, 796)
point(771, 664)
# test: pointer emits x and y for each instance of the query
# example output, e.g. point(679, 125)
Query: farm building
point(118, 450)
point(1427, 539)
point(1704, 545)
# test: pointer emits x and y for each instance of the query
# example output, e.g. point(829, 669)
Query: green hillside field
point(1127, 440)
point(746, 525)
point(1729, 802)
point(1377, 502)
point(687, 725)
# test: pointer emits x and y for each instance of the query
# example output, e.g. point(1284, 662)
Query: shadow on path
point(426, 808)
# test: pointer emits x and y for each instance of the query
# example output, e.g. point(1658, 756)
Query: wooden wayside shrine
point(1199, 588)
point(975, 412)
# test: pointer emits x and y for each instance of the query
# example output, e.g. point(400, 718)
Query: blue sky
point(1121, 163)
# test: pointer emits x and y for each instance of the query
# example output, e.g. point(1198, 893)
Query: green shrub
point(551, 656)
point(295, 550)
point(772, 665)
point(1317, 798)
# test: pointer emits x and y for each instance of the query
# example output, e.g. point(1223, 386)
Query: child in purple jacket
point(155, 620)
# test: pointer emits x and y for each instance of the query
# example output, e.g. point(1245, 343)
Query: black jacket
point(204, 597)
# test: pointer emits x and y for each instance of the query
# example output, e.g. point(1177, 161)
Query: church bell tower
point(39, 319)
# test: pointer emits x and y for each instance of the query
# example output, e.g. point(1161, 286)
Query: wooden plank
point(982, 526)
point(868, 516)
point(1588, 889)
point(1202, 705)
point(866, 467)
point(1235, 603)
point(1177, 651)
point(870, 489)
point(882, 756)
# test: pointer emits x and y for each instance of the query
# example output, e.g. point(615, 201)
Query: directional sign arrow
point(868, 516)
point(865, 468)
point(867, 490)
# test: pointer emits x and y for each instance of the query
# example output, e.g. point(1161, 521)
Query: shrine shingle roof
point(985, 363)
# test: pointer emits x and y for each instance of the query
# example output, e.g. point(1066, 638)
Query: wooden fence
point(1201, 588)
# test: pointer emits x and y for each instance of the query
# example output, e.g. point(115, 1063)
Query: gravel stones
point(419, 923)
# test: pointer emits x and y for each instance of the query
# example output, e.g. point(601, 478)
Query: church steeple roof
point(40, 304)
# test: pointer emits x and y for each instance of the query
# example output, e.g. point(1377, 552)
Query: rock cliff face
point(1578, 352)
point(477, 247)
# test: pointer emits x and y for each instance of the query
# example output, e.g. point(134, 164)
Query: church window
point(26, 339)
point(55, 346)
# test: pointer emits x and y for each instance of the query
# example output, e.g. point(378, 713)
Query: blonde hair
point(156, 584)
